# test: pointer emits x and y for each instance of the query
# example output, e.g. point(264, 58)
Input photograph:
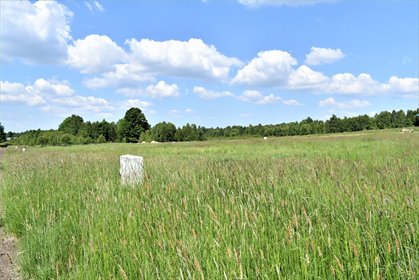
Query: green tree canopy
point(131, 126)
point(2, 134)
point(164, 132)
point(71, 125)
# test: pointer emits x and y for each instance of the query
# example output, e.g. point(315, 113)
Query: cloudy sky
point(213, 63)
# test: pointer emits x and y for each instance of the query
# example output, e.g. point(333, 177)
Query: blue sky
point(213, 63)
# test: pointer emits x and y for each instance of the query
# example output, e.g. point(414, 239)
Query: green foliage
point(164, 132)
point(101, 139)
point(316, 207)
point(2, 134)
point(132, 125)
point(65, 139)
point(146, 136)
point(71, 125)
point(383, 120)
point(189, 132)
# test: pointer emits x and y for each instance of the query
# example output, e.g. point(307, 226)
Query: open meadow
point(341, 206)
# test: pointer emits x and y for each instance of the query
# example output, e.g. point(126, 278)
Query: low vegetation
point(339, 206)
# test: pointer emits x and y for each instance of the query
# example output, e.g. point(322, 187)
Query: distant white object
point(131, 169)
point(15, 147)
point(154, 142)
point(143, 142)
point(264, 138)
point(23, 149)
point(407, 130)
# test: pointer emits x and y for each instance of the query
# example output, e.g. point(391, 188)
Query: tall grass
point(286, 208)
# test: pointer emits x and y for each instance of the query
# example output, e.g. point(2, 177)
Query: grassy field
point(337, 206)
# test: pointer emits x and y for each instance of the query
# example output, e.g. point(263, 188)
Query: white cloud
point(254, 96)
point(18, 93)
point(124, 76)
point(94, 53)
point(319, 56)
point(332, 103)
point(98, 6)
point(257, 3)
point(127, 104)
point(52, 95)
point(36, 94)
point(50, 88)
point(269, 68)
point(84, 103)
point(276, 69)
point(403, 85)
point(191, 58)
point(305, 78)
point(34, 32)
point(346, 83)
point(161, 89)
point(210, 94)
point(291, 102)
point(94, 5)
point(189, 111)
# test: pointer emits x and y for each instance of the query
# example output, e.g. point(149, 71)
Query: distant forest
point(134, 128)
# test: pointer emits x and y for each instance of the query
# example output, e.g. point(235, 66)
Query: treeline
point(134, 128)
point(385, 119)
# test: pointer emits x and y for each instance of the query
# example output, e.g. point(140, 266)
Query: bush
point(101, 139)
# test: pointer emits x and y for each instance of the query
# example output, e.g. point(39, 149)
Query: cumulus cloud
point(306, 78)
point(94, 53)
point(276, 68)
point(269, 68)
point(347, 83)
point(319, 56)
point(148, 59)
point(34, 32)
point(159, 90)
point(257, 3)
point(50, 88)
point(51, 95)
point(18, 93)
point(124, 76)
point(210, 94)
point(403, 85)
point(254, 96)
point(36, 94)
point(352, 104)
point(84, 103)
point(192, 58)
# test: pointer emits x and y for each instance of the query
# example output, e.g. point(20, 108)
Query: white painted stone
point(131, 169)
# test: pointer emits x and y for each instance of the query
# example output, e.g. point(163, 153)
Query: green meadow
point(341, 206)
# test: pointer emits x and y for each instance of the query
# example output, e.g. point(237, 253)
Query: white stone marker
point(132, 169)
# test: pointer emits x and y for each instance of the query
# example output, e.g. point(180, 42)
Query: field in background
point(342, 205)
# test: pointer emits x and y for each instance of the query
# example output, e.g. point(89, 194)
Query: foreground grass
point(294, 208)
